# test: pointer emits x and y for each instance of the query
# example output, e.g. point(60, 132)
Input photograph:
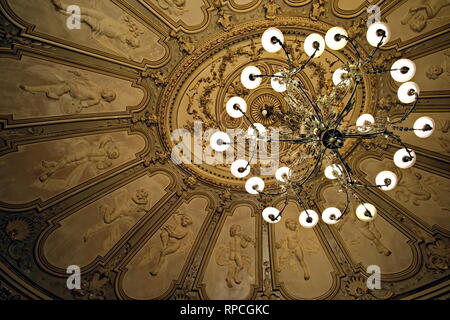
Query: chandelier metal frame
point(324, 134)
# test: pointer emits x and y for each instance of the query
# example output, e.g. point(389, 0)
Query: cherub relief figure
point(291, 249)
point(121, 36)
point(81, 90)
point(186, 45)
point(174, 238)
point(418, 189)
point(80, 156)
point(441, 70)
point(272, 9)
point(124, 212)
point(317, 10)
point(368, 230)
point(231, 255)
point(224, 20)
point(419, 15)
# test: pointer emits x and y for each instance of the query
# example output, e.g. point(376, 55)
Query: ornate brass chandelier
point(324, 134)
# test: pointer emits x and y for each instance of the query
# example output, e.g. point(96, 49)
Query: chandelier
point(306, 124)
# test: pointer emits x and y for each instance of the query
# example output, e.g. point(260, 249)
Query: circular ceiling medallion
point(200, 86)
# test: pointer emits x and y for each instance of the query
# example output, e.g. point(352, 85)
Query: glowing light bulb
point(386, 177)
point(334, 39)
point(313, 41)
point(271, 215)
point(308, 218)
point(333, 171)
point(220, 141)
point(366, 212)
point(407, 92)
point(254, 185)
point(403, 70)
point(268, 40)
point(248, 78)
point(403, 160)
point(236, 107)
point(331, 215)
point(424, 123)
point(240, 168)
point(375, 33)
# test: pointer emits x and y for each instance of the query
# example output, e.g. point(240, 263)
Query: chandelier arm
point(365, 135)
point(348, 107)
point(286, 51)
point(315, 169)
point(399, 140)
point(406, 115)
point(314, 105)
point(347, 169)
point(267, 76)
point(347, 204)
point(370, 58)
point(303, 66)
point(353, 44)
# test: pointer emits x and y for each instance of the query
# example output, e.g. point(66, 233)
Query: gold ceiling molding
point(297, 3)
point(359, 7)
point(173, 13)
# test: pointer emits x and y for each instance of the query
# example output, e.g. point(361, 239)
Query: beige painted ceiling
point(86, 177)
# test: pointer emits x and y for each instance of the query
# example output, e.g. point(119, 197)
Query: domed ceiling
point(87, 116)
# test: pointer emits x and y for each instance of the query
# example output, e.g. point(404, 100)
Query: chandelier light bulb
point(333, 171)
point(313, 41)
point(248, 78)
point(240, 168)
point(403, 70)
point(220, 141)
point(308, 218)
point(337, 77)
point(236, 107)
point(269, 42)
point(407, 92)
point(254, 185)
point(282, 174)
point(278, 84)
point(364, 120)
point(334, 39)
point(331, 215)
point(425, 125)
point(403, 160)
point(375, 33)
point(366, 212)
point(259, 132)
point(386, 177)
point(271, 215)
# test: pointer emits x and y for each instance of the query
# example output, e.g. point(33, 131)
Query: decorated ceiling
point(86, 176)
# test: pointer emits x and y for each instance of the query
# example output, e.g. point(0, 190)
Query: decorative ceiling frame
point(147, 231)
point(10, 122)
point(180, 25)
point(54, 222)
point(28, 31)
point(39, 204)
